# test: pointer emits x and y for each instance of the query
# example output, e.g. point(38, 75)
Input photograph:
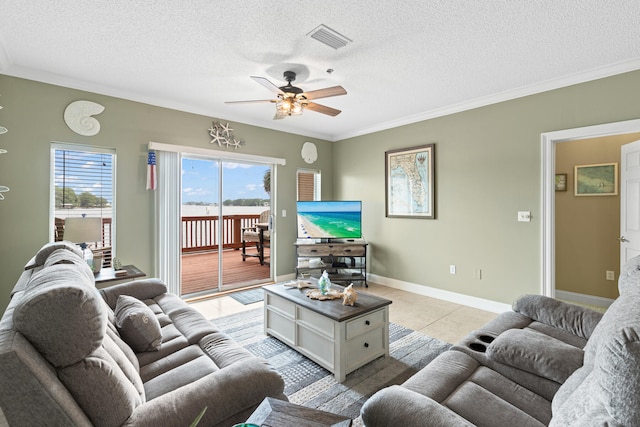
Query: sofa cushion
point(137, 324)
point(577, 320)
point(608, 386)
point(142, 289)
point(62, 256)
point(182, 368)
point(536, 353)
point(48, 249)
point(570, 385)
point(617, 370)
point(454, 374)
point(112, 334)
point(109, 397)
point(191, 324)
point(61, 315)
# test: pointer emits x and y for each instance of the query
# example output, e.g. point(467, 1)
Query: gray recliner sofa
point(544, 363)
point(131, 354)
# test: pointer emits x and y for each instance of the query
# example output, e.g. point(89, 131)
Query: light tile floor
point(444, 320)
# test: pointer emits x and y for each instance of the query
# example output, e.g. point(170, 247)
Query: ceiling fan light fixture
point(289, 106)
point(296, 108)
point(292, 101)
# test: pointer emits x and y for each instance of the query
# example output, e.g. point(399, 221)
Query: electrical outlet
point(284, 213)
point(452, 269)
point(477, 274)
point(610, 275)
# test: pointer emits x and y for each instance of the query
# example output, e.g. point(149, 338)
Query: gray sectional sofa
point(544, 363)
point(131, 354)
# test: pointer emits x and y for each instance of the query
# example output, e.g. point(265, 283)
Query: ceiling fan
point(292, 100)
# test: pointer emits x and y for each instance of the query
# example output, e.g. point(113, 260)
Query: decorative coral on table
point(349, 296)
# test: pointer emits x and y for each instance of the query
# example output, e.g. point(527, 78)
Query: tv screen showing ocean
point(345, 225)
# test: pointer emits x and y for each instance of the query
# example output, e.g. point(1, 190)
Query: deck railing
point(200, 233)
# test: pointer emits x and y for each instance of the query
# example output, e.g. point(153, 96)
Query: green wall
point(33, 113)
point(488, 167)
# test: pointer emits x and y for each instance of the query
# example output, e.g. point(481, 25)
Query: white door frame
point(549, 139)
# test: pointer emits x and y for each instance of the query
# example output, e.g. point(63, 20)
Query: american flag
point(151, 171)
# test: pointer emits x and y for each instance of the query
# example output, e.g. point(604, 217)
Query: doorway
point(220, 200)
point(549, 141)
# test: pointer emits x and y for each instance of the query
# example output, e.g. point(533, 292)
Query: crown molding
point(8, 68)
point(544, 86)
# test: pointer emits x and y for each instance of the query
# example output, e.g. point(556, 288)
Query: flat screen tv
point(333, 219)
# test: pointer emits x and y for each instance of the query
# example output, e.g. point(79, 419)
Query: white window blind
point(83, 184)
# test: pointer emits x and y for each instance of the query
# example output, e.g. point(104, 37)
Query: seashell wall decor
point(223, 135)
point(78, 116)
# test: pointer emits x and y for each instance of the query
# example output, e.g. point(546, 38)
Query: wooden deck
point(200, 271)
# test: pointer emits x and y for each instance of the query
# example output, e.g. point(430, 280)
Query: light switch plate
point(524, 216)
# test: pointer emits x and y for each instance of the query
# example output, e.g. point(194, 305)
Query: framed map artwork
point(410, 182)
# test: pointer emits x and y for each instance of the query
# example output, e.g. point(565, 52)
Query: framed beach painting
point(410, 182)
point(596, 180)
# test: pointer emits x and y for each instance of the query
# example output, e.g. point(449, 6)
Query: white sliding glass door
point(221, 199)
point(203, 201)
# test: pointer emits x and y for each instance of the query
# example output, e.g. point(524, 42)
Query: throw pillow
point(137, 324)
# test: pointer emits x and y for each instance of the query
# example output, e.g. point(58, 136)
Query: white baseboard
point(584, 299)
point(475, 302)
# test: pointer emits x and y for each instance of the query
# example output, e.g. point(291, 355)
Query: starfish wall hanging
point(222, 134)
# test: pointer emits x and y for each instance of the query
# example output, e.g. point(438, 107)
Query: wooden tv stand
point(345, 260)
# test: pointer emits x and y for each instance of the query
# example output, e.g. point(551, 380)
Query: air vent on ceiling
point(330, 37)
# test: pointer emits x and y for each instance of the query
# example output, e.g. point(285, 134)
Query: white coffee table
point(337, 337)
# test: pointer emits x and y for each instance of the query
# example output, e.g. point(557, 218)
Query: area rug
point(310, 385)
point(248, 297)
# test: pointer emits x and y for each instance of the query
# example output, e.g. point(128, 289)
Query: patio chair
point(259, 235)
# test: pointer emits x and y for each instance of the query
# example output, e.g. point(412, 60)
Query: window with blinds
point(308, 182)
point(83, 185)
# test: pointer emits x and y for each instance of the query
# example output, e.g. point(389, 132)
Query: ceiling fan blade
point(255, 101)
point(325, 93)
point(270, 86)
point(322, 109)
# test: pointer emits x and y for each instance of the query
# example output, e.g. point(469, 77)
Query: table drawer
point(314, 250)
point(348, 250)
point(364, 324)
point(365, 348)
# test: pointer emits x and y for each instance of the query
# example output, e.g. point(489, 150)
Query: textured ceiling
point(408, 60)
